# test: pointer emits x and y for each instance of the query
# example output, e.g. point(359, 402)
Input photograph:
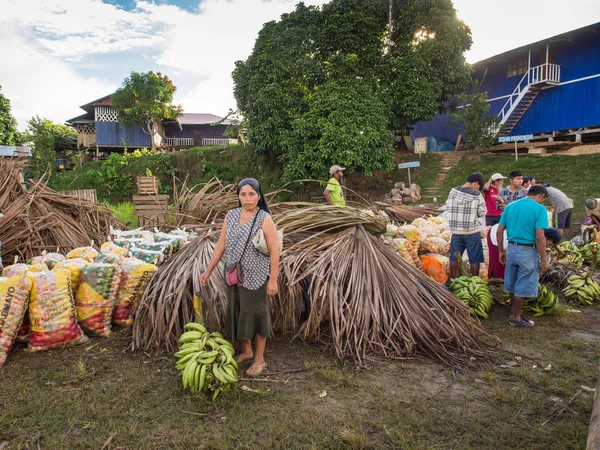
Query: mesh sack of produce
point(52, 314)
point(109, 258)
point(88, 253)
point(50, 259)
point(149, 256)
point(447, 236)
point(435, 245)
point(74, 266)
point(127, 242)
point(21, 269)
point(110, 247)
point(407, 251)
point(127, 234)
point(165, 247)
point(23, 333)
point(135, 278)
point(96, 296)
point(443, 259)
point(14, 295)
point(409, 232)
point(434, 269)
point(176, 241)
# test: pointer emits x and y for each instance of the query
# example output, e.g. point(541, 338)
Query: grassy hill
point(114, 180)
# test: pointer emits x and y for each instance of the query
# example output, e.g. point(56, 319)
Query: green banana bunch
point(583, 289)
point(545, 303)
point(206, 361)
point(571, 253)
point(475, 292)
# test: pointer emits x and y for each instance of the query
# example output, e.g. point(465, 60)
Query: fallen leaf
point(323, 394)
point(548, 368)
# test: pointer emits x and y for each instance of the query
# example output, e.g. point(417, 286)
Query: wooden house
point(549, 89)
point(99, 129)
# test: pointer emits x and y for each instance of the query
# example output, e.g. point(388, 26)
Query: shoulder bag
point(233, 273)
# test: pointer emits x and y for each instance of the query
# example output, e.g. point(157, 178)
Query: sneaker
point(522, 323)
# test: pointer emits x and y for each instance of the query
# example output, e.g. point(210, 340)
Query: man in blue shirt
point(525, 221)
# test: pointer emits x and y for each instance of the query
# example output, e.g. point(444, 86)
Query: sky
point(60, 54)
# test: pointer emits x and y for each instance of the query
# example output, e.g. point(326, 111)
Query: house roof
point(11, 150)
point(568, 36)
point(200, 119)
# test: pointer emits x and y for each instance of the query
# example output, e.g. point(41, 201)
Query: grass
point(124, 212)
point(79, 397)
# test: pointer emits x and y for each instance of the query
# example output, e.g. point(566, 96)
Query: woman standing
point(490, 194)
point(248, 301)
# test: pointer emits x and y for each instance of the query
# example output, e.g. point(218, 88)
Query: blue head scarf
point(262, 201)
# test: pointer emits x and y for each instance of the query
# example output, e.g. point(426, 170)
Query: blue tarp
point(435, 144)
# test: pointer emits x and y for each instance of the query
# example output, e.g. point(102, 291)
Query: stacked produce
point(545, 303)
point(206, 361)
point(475, 292)
point(571, 253)
point(14, 296)
point(582, 289)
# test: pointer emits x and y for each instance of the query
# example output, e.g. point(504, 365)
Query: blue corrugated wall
point(112, 134)
point(563, 107)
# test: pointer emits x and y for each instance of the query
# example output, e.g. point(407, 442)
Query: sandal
point(241, 360)
point(261, 370)
point(522, 323)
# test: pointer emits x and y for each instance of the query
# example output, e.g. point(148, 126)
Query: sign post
point(408, 166)
point(515, 139)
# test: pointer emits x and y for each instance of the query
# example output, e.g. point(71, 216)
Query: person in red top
point(490, 194)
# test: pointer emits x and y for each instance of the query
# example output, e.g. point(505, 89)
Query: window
point(516, 68)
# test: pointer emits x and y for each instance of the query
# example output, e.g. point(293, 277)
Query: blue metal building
point(550, 89)
point(99, 129)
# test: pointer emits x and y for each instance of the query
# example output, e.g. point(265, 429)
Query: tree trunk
point(150, 125)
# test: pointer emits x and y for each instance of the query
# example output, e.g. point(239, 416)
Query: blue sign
point(525, 137)
point(409, 165)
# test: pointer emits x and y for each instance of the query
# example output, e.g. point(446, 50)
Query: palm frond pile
point(406, 213)
point(339, 284)
point(36, 218)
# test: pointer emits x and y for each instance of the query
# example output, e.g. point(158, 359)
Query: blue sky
point(65, 53)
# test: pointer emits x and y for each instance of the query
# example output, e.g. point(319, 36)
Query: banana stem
point(461, 265)
point(198, 309)
point(594, 261)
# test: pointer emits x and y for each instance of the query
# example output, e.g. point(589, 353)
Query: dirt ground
point(535, 393)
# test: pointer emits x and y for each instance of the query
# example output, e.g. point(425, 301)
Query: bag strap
point(249, 235)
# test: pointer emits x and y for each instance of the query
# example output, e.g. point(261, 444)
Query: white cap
point(497, 176)
point(335, 169)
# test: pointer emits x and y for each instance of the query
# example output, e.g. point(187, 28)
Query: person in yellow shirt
point(333, 192)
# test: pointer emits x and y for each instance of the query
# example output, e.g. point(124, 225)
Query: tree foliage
point(319, 77)
point(472, 117)
point(8, 124)
point(47, 138)
point(146, 99)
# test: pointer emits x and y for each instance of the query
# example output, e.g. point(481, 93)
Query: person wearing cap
point(490, 194)
point(333, 192)
point(465, 207)
point(514, 191)
point(525, 222)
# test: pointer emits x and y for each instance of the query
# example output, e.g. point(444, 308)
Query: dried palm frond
point(376, 304)
point(558, 274)
point(300, 217)
point(205, 203)
point(167, 303)
point(404, 213)
point(38, 218)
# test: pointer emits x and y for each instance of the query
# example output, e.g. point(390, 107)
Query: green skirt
point(247, 313)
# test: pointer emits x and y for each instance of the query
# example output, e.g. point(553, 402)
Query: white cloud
point(39, 84)
point(501, 26)
point(45, 40)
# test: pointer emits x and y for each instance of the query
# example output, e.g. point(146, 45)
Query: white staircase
point(525, 93)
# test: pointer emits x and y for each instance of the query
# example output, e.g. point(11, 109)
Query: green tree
point(146, 99)
point(8, 124)
point(319, 74)
point(471, 116)
point(47, 138)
